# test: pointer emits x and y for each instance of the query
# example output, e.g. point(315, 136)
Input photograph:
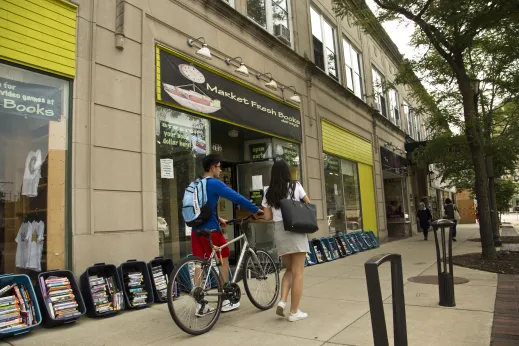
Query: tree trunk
point(476, 147)
point(495, 222)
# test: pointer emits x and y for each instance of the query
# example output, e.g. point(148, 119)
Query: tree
point(505, 190)
point(451, 33)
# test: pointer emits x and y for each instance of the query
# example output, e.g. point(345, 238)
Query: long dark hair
point(280, 182)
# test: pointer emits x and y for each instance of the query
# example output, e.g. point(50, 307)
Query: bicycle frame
point(245, 249)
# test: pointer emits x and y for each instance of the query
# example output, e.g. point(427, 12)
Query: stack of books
point(136, 289)
point(105, 294)
point(59, 297)
point(16, 308)
point(161, 281)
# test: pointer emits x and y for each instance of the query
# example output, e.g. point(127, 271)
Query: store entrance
point(248, 179)
point(183, 140)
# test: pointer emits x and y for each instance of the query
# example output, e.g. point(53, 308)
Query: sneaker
point(281, 309)
point(228, 306)
point(207, 310)
point(299, 315)
point(454, 239)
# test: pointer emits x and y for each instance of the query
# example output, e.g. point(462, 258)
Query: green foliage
point(505, 191)
point(485, 35)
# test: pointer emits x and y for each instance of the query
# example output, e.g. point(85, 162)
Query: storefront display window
point(342, 195)
point(182, 142)
point(33, 171)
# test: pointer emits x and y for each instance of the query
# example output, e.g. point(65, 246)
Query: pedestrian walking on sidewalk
point(424, 218)
point(452, 213)
point(291, 247)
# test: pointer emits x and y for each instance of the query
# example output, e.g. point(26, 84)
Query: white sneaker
point(207, 310)
point(281, 309)
point(228, 306)
point(299, 315)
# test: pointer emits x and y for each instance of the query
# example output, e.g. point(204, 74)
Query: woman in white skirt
point(291, 247)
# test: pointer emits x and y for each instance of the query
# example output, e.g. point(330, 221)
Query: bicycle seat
point(203, 232)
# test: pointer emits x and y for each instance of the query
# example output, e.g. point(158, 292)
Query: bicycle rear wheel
point(261, 280)
point(191, 308)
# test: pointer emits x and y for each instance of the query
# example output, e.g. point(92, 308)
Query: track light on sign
point(294, 98)
point(272, 85)
point(242, 69)
point(204, 51)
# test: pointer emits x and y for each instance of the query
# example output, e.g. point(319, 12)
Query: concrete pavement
point(335, 297)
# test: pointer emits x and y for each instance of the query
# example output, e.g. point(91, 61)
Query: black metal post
point(444, 265)
point(376, 304)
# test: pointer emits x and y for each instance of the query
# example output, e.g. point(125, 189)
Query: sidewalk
point(336, 299)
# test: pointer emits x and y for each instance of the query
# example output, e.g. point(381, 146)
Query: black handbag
point(299, 217)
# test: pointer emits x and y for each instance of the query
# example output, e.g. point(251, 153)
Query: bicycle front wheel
point(194, 295)
point(261, 280)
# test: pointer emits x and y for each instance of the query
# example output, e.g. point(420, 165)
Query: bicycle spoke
point(192, 309)
point(262, 280)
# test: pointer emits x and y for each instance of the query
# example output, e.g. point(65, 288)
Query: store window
point(353, 66)
point(342, 195)
point(393, 107)
point(182, 142)
point(378, 92)
point(273, 15)
point(323, 34)
point(34, 119)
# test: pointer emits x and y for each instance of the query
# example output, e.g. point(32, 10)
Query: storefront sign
point(256, 196)
point(30, 100)
point(258, 151)
point(166, 169)
point(392, 162)
point(289, 154)
point(182, 137)
point(185, 84)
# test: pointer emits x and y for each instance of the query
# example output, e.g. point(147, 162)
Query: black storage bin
point(48, 320)
point(104, 271)
point(167, 268)
point(319, 249)
point(134, 266)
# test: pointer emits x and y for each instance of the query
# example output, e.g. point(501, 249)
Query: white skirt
point(289, 242)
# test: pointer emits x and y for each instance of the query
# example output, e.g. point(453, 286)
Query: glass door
point(253, 177)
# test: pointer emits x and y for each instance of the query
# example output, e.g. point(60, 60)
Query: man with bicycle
point(200, 244)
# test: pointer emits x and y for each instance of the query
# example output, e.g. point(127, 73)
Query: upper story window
point(418, 126)
point(378, 92)
point(353, 65)
point(323, 34)
point(394, 111)
point(273, 15)
point(409, 119)
point(230, 2)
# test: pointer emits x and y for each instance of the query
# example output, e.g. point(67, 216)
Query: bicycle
point(198, 284)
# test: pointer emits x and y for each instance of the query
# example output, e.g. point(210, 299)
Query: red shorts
point(201, 248)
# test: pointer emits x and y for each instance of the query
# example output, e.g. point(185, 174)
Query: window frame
point(355, 164)
point(230, 3)
point(353, 50)
point(418, 129)
point(382, 106)
point(408, 118)
point(269, 25)
point(394, 108)
point(322, 20)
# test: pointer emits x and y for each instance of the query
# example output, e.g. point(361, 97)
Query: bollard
point(376, 304)
point(445, 277)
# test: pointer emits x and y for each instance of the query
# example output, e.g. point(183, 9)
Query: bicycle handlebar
point(229, 222)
